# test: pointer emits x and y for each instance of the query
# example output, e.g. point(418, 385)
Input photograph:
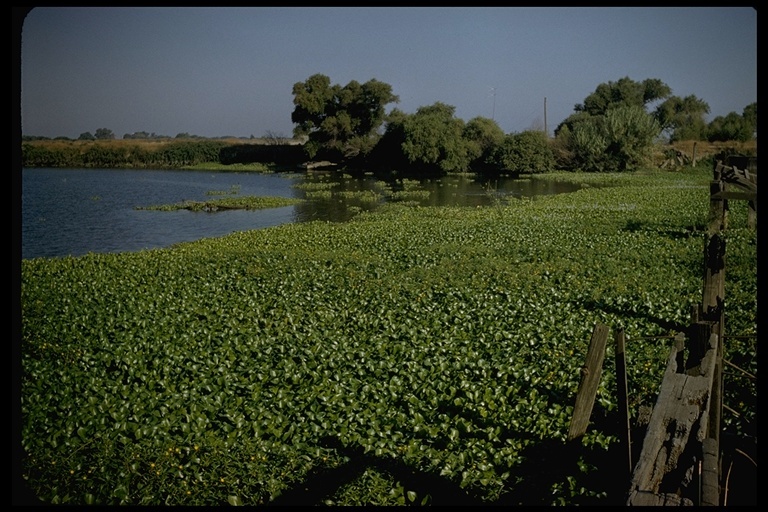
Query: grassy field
point(410, 356)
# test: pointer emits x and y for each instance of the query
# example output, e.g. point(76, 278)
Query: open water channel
point(71, 212)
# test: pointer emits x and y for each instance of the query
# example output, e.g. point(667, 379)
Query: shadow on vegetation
point(667, 325)
point(324, 483)
point(634, 226)
point(544, 465)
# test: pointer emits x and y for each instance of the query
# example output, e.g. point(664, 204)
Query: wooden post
point(752, 214)
point(698, 344)
point(714, 257)
point(710, 486)
point(716, 406)
point(679, 417)
point(716, 207)
point(621, 393)
point(679, 344)
point(694, 154)
point(590, 378)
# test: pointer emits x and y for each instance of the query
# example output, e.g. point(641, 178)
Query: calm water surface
point(76, 211)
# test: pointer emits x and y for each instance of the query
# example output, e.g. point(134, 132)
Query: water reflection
point(76, 211)
point(337, 198)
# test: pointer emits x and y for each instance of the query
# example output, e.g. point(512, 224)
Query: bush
point(528, 152)
point(620, 140)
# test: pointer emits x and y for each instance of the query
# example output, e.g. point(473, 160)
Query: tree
point(433, 140)
point(86, 136)
point(591, 138)
point(620, 140)
point(528, 151)
point(570, 122)
point(624, 92)
point(683, 118)
point(339, 122)
point(104, 134)
point(750, 116)
point(731, 127)
point(482, 135)
point(388, 152)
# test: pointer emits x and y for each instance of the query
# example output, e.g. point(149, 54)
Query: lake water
point(77, 211)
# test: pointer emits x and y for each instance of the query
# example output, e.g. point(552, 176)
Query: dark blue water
point(71, 212)
point(76, 211)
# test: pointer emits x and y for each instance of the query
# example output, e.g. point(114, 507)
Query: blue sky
point(230, 71)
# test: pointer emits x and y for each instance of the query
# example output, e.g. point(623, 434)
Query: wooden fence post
point(710, 471)
point(694, 154)
point(621, 384)
point(679, 417)
point(590, 378)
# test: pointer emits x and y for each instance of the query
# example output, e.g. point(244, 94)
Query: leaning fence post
point(621, 384)
point(590, 378)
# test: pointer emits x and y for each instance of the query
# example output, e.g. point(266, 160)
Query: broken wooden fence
point(679, 463)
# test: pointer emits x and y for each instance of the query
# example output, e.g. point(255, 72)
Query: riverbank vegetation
point(413, 355)
point(227, 203)
point(619, 127)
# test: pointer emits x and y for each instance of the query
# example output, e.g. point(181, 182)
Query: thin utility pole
point(546, 132)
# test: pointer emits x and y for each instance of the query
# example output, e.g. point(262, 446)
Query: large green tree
point(482, 135)
point(434, 140)
point(683, 118)
point(600, 136)
point(339, 122)
point(624, 92)
point(750, 116)
point(388, 154)
point(730, 127)
point(620, 140)
point(528, 151)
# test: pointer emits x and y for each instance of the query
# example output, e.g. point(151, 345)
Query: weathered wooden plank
point(749, 163)
point(713, 298)
point(717, 207)
point(650, 499)
point(752, 214)
point(710, 475)
point(622, 396)
point(716, 409)
point(735, 194)
point(698, 344)
point(739, 178)
point(590, 378)
point(682, 409)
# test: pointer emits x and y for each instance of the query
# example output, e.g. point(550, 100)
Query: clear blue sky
point(230, 71)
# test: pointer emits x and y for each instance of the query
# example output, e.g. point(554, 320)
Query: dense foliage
point(422, 344)
point(620, 140)
point(433, 140)
point(730, 127)
point(528, 152)
point(110, 154)
point(683, 118)
point(340, 122)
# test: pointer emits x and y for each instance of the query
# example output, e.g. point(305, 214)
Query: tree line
point(613, 129)
point(107, 134)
